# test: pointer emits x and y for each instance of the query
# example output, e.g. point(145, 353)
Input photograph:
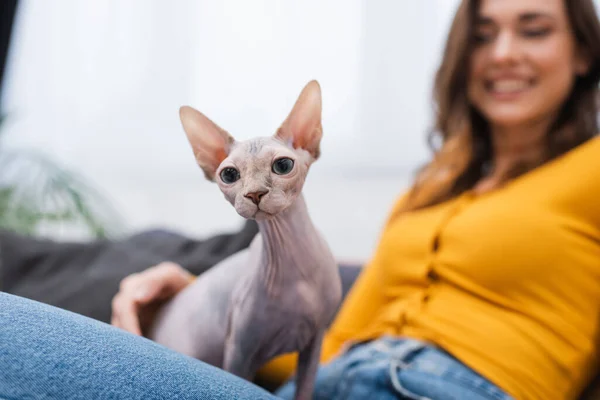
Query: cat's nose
point(256, 196)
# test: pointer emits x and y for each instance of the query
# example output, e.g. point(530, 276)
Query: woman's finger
point(125, 312)
point(163, 280)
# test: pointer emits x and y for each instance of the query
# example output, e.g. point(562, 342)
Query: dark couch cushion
point(84, 277)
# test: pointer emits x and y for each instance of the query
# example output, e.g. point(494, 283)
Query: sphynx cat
point(279, 295)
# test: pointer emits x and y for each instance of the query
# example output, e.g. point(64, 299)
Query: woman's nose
point(505, 48)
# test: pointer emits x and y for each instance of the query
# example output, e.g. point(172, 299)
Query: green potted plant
point(37, 194)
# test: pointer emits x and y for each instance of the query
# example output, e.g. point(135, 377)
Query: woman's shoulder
point(581, 161)
point(588, 151)
point(575, 177)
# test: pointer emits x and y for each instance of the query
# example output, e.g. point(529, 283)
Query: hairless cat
point(279, 295)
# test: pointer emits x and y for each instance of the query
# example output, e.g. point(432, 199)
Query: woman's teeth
point(509, 85)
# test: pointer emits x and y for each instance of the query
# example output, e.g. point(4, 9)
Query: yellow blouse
point(508, 281)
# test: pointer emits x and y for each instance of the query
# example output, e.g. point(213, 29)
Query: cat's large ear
point(302, 128)
point(209, 142)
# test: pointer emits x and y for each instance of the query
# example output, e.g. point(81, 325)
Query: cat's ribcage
point(194, 322)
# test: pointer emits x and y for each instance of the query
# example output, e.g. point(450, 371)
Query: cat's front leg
point(241, 345)
point(238, 358)
point(308, 363)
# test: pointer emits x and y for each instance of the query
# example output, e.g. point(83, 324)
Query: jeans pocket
point(396, 366)
point(435, 375)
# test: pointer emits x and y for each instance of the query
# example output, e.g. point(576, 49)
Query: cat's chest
point(288, 285)
point(284, 297)
point(288, 321)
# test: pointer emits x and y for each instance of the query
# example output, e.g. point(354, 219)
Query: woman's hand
point(141, 294)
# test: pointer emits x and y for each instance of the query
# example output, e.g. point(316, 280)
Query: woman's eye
point(283, 166)
point(230, 175)
point(540, 32)
point(482, 37)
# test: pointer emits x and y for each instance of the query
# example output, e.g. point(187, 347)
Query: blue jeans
point(398, 368)
point(49, 353)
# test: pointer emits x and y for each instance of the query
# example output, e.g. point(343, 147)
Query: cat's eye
point(230, 175)
point(283, 166)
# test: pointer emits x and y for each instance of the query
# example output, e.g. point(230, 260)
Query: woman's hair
point(460, 139)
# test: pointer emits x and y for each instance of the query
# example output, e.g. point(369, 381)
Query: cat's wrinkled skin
point(278, 295)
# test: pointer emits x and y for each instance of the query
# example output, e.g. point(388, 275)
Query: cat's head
point(261, 176)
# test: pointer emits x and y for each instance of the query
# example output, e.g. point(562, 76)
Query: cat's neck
point(295, 218)
point(289, 241)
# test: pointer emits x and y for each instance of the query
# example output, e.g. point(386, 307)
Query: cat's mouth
point(261, 214)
